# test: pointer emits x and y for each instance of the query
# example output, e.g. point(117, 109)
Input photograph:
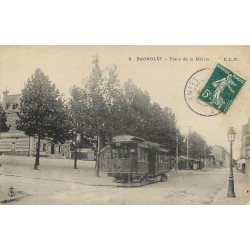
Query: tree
point(113, 97)
point(135, 107)
point(107, 108)
point(42, 112)
point(3, 119)
point(96, 112)
point(76, 109)
point(197, 146)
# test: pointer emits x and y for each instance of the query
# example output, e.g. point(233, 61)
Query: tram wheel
point(163, 178)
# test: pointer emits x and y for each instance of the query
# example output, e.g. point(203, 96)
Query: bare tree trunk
point(98, 156)
point(37, 152)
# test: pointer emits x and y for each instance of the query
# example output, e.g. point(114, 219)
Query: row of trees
point(98, 110)
point(197, 146)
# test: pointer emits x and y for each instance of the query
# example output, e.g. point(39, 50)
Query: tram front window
point(116, 153)
point(123, 152)
point(132, 153)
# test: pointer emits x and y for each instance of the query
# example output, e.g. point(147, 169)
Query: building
point(86, 154)
point(245, 147)
point(15, 142)
point(245, 141)
point(219, 157)
point(185, 163)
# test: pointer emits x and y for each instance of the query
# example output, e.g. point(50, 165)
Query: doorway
point(52, 148)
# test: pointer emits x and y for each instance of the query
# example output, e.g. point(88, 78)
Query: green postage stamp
point(222, 88)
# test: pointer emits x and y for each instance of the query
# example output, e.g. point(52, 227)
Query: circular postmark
point(192, 89)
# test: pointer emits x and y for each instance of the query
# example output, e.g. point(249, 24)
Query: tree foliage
point(3, 119)
point(111, 108)
point(197, 146)
point(42, 111)
point(104, 107)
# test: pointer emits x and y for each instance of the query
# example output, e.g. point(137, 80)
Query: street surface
point(58, 183)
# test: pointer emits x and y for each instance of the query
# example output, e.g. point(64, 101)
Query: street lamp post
point(76, 141)
point(231, 135)
point(75, 151)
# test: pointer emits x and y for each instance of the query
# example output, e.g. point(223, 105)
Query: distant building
point(219, 157)
point(15, 142)
point(84, 154)
point(185, 162)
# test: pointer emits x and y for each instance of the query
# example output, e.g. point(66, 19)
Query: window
point(132, 153)
point(115, 153)
point(44, 147)
point(125, 152)
point(142, 154)
point(248, 141)
point(13, 146)
point(59, 149)
point(162, 157)
point(248, 152)
point(145, 155)
point(14, 105)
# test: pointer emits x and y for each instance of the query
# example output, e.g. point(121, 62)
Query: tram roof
point(126, 138)
point(130, 138)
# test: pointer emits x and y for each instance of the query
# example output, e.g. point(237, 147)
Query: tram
point(135, 162)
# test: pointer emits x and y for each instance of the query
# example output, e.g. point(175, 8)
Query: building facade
point(85, 154)
point(15, 142)
point(245, 147)
point(245, 141)
point(219, 157)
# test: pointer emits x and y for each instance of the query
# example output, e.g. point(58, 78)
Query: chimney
point(5, 94)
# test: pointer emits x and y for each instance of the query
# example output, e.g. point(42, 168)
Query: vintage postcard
point(121, 125)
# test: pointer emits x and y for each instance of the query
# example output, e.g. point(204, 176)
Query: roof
point(86, 150)
point(126, 138)
point(105, 148)
point(164, 149)
point(187, 158)
point(184, 157)
point(131, 138)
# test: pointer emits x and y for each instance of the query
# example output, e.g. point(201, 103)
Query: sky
point(159, 70)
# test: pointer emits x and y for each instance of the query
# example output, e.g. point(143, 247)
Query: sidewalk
point(54, 169)
point(241, 189)
point(59, 170)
